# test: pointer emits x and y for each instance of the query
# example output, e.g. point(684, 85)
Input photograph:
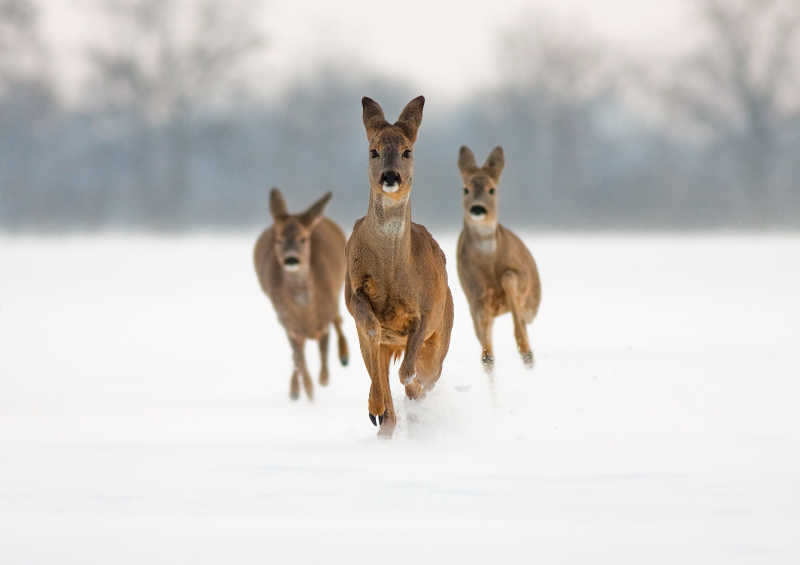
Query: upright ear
point(466, 161)
point(310, 217)
point(411, 118)
point(277, 205)
point(373, 116)
point(494, 163)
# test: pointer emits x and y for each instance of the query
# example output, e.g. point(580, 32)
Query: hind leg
point(323, 359)
point(344, 355)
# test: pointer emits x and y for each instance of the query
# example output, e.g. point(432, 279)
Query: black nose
point(390, 178)
point(477, 210)
point(291, 261)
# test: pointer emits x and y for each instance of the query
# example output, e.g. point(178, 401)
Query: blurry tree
point(556, 88)
point(26, 102)
point(741, 87)
point(170, 58)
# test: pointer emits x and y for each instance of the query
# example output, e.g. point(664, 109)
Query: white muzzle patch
point(391, 187)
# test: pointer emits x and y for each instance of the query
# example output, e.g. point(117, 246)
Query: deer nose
point(291, 262)
point(477, 211)
point(390, 178)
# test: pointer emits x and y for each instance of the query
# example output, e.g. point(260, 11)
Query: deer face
point(292, 244)
point(480, 191)
point(293, 232)
point(391, 149)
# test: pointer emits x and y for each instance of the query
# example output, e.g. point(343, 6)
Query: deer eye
point(406, 153)
point(491, 191)
point(466, 190)
point(302, 240)
point(374, 153)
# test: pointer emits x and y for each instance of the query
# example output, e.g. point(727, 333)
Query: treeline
point(166, 137)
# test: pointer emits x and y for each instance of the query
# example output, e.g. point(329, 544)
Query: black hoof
point(344, 361)
point(378, 421)
point(527, 359)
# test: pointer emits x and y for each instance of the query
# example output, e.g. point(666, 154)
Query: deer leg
point(369, 351)
point(323, 358)
point(510, 282)
point(344, 356)
point(389, 420)
point(294, 386)
point(299, 357)
point(361, 309)
point(483, 320)
point(432, 354)
point(416, 338)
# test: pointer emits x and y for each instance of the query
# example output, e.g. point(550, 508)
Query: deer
point(497, 271)
point(396, 282)
point(299, 262)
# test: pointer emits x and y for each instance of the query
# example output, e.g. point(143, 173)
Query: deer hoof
point(344, 360)
point(379, 420)
point(527, 359)
point(487, 360)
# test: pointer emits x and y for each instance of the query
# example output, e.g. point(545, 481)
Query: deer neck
point(299, 286)
point(389, 224)
point(483, 235)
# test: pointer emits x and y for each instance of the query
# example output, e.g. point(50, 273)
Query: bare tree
point(740, 87)
point(171, 58)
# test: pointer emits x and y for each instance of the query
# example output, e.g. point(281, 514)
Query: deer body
point(396, 281)
point(300, 265)
point(495, 268)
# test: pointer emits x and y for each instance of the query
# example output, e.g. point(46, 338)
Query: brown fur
point(496, 270)
point(396, 282)
point(306, 298)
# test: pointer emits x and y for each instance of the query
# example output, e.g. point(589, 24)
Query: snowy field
point(144, 414)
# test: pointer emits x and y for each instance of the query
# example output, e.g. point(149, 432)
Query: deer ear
point(277, 205)
point(310, 217)
point(466, 160)
point(411, 118)
point(373, 116)
point(494, 163)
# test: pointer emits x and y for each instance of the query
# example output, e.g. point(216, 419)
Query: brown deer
point(300, 265)
point(396, 282)
point(496, 270)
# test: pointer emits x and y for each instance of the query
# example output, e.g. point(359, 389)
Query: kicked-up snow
point(145, 418)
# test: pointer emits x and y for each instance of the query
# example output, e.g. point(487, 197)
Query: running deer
point(300, 266)
point(396, 282)
point(496, 270)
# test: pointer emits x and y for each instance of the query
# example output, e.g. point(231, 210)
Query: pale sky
point(448, 48)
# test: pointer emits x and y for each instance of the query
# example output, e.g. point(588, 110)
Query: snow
point(144, 413)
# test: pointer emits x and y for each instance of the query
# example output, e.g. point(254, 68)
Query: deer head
point(480, 186)
point(293, 231)
point(391, 155)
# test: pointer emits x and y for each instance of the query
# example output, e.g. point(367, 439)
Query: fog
point(171, 124)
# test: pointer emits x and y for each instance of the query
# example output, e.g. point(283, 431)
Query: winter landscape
point(144, 413)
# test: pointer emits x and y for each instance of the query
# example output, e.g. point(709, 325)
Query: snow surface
point(144, 414)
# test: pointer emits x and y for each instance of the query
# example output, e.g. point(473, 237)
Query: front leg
point(483, 320)
point(363, 314)
point(298, 356)
point(510, 282)
point(408, 367)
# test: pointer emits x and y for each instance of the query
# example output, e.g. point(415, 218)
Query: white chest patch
point(394, 226)
point(486, 245)
point(300, 297)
